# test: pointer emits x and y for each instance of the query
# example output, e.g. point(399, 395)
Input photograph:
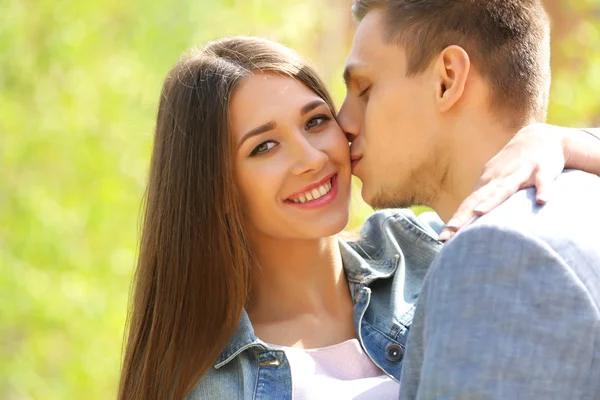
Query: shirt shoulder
point(571, 214)
point(564, 232)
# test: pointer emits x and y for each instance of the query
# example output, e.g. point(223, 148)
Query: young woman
point(242, 289)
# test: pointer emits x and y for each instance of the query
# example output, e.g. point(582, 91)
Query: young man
point(510, 308)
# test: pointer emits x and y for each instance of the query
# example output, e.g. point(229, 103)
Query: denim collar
point(358, 271)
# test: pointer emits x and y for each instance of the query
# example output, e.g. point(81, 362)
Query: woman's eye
point(316, 121)
point(263, 147)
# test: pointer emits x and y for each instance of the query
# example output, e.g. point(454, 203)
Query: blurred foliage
point(79, 85)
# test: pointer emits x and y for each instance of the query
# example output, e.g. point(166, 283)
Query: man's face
point(391, 120)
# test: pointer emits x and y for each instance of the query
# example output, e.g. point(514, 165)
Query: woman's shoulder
point(218, 384)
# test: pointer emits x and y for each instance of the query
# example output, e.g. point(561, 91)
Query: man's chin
point(366, 196)
point(387, 198)
point(376, 199)
point(379, 203)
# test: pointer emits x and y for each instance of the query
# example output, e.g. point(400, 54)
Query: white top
point(342, 371)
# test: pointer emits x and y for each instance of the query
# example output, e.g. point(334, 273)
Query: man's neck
point(477, 141)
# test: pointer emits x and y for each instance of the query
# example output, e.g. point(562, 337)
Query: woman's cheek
point(340, 147)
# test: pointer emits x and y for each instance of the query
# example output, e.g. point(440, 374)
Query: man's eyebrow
point(257, 131)
point(348, 73)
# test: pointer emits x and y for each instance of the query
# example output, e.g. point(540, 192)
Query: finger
point(542, 185)
point(446, 235)
point(484, 180)
point(499, 169)
point(498, 194)
point(520, 178)
point(466, 211)
point(491, 194)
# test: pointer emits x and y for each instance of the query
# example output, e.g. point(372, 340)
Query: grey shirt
point(510, 307)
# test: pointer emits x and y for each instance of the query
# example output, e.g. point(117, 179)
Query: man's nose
point(348, 121)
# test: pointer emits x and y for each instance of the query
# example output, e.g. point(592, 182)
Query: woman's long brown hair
point(194, 268)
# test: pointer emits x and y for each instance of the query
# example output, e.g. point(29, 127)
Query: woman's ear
point(452, 68)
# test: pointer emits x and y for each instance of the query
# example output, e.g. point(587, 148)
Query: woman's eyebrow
point(257, 131)
point(311, 106)
point(272, 125)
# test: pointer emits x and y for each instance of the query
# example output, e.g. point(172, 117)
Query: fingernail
point(453, 224)
point(446, 235)
point(542, 200)
point(480, 209)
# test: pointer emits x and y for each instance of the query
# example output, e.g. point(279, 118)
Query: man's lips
point(355, 159)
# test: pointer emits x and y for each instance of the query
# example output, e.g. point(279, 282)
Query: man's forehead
point(368, 39)
point(357, 58)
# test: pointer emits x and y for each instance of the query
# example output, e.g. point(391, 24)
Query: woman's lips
point(322, 201)
point(313, 186)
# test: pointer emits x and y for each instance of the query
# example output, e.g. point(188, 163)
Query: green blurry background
point(79, 84)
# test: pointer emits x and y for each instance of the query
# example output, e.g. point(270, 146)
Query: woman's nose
point(308, 158)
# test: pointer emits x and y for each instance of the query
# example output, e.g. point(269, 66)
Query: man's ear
point(452, 69)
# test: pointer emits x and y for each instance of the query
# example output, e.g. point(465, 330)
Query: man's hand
point(534, 157)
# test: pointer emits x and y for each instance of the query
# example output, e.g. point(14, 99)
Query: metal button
point(394, 352)
point(270, 363)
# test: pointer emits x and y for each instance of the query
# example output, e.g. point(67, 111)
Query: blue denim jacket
point(385, 269)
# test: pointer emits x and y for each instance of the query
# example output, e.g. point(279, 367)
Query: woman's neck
point(297, 278)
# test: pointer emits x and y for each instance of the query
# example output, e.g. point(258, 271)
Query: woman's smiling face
point(292, 160)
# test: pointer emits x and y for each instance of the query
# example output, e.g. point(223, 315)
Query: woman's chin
point(332, 224)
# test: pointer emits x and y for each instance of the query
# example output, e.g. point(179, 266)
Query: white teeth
point(314, 194)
